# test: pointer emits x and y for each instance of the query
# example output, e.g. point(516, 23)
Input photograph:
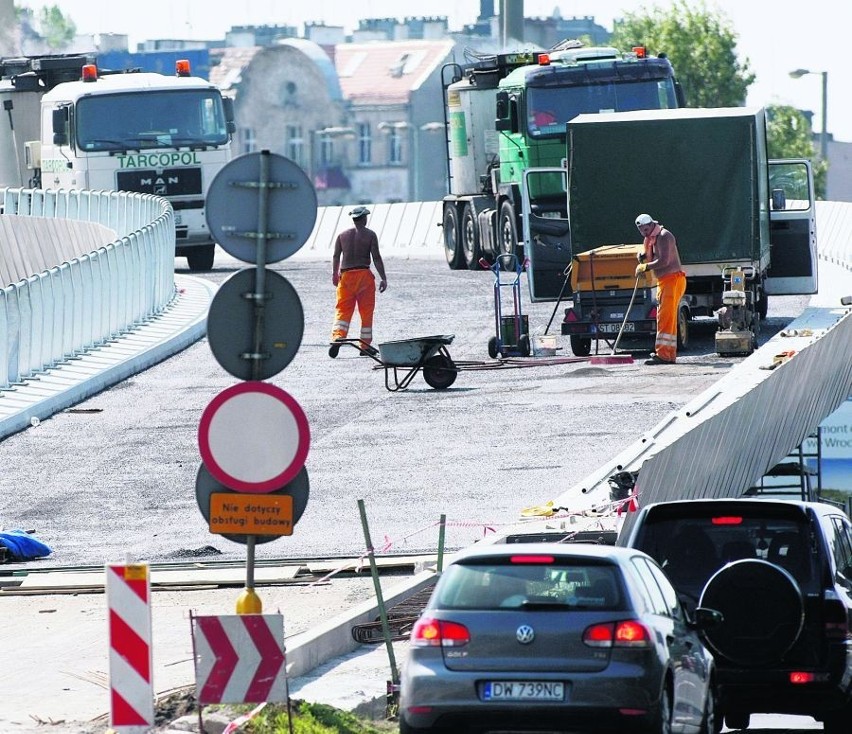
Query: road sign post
point(261, 208)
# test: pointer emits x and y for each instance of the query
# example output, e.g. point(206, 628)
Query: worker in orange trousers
point(355, 250)
point(661, 257)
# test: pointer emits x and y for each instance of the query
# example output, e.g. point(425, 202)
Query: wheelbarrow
point(404, 358)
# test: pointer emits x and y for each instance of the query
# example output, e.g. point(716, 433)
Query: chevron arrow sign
point(239, 658)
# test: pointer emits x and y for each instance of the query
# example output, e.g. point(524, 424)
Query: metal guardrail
point(95, 296)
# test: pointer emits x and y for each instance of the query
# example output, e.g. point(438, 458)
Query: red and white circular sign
point(253, 437)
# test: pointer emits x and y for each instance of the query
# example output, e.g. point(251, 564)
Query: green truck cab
point(508, 113)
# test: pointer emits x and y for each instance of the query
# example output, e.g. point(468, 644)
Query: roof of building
point(387, 71)
point(316, 54)
point(233, 60)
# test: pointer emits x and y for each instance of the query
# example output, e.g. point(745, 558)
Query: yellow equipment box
point(609, 267)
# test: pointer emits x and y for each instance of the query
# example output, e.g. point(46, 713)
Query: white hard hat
point(644, 219)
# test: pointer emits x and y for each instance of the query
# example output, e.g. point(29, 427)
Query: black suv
point(781, 574)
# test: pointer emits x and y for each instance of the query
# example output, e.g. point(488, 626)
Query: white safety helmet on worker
point(643, 219)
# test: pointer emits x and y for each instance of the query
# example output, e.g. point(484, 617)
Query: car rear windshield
point(509, 583)
point(690, 549)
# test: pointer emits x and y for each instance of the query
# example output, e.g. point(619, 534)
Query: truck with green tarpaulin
point(742, 222)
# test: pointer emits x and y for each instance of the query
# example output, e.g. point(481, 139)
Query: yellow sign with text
point(251, 514)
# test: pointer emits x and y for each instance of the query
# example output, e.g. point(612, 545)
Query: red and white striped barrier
point(131, 682)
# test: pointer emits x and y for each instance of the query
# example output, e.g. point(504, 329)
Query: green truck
point(508, 112)
point(744, 224)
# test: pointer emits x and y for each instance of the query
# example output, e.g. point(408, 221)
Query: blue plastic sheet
point(21, 546)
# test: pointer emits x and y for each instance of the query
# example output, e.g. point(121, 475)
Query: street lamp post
point(823, 138)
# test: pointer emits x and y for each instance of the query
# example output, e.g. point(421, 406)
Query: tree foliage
point(57, 29)
point(701, 46)
point(789, 135)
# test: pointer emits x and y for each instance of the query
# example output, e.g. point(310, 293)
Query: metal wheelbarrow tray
point(406, 357)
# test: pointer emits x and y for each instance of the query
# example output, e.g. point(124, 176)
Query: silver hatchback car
point(549, 637)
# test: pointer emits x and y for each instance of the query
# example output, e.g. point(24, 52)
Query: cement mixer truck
point(508, 112)
point(70, 125)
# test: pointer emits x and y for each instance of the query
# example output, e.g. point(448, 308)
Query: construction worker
point(661, 257)
point(354, 250)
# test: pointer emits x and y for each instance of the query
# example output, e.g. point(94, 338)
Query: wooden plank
point(382, 562)
point(160, 577)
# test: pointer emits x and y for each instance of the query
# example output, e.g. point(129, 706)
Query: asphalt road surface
point(116, 474)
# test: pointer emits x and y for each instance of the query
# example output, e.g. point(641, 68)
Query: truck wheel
point(581, 346)
point(201, 258)
point(470, 239)
point(452, 245)
point(507, 237)
point(682, 328)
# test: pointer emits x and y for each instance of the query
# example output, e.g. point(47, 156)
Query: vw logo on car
point(525, 634)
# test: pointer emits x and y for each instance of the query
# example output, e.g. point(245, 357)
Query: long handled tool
point(619, 358)
point(567, 274)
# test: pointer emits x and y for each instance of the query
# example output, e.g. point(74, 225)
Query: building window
point(395, 145)
point(248, 142)
point(326, 150)
point(365, 143)
point(296, 145)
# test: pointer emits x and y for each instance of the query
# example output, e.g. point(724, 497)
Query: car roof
point(560, 550)
point(804, 506)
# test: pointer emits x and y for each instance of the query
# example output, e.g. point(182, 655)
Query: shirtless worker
point(661, 258)
point(354, 251)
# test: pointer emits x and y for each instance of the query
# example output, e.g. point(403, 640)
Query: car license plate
point(613, 328)
point(527, 690)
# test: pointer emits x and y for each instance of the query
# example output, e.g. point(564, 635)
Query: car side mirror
point(705, 618)
point(59, 122)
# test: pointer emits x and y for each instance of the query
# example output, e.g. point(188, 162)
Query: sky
point(775, 36)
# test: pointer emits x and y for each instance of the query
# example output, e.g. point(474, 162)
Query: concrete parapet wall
point(408, 230)
point(32, 245)
point(79, 268)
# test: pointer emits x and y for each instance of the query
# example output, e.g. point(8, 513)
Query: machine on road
point(532, 95)
point(74, 126)
point(745, 225)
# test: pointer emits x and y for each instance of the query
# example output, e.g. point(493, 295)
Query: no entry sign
point(253, 437)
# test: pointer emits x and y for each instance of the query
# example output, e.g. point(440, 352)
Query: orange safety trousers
point(355, 288)
point(670, 289)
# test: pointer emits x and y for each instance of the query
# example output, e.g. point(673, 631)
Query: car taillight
point(727, 520)
point(798, 677)
point(835, 616)
point(628, 633)
point(531, 559)
point(428, 632)
point(570, 315)
point(652, 312)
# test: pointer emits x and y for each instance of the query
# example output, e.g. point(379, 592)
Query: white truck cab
point(142, 132)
